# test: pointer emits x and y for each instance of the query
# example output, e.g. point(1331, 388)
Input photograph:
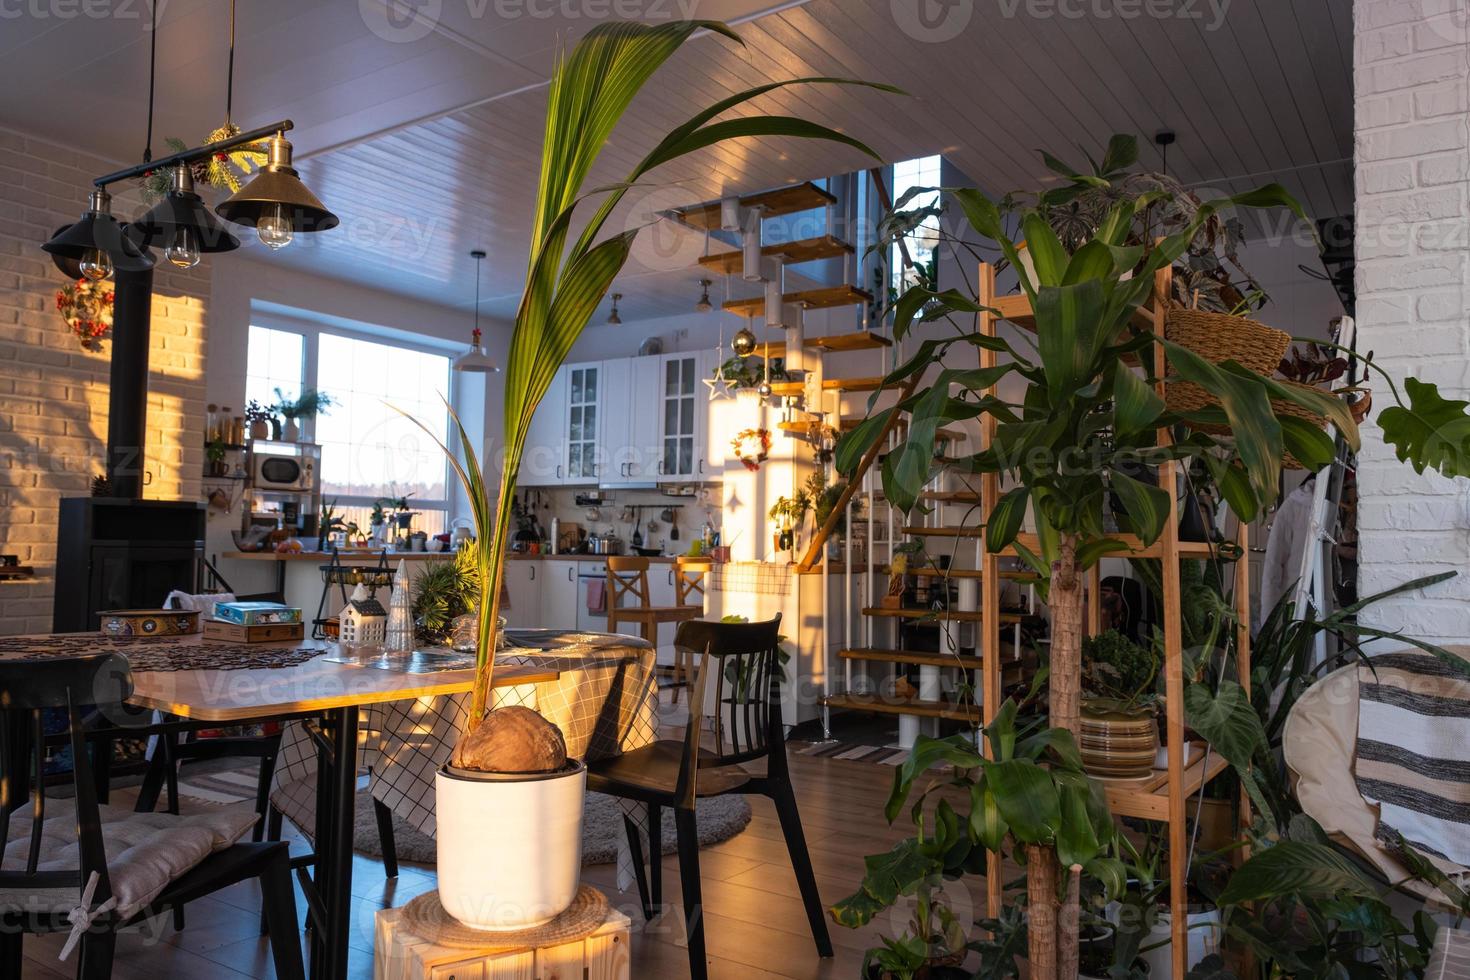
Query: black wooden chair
point(743, 662)
point(136, 865)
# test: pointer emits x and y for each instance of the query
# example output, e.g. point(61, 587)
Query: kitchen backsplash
point(661, 520)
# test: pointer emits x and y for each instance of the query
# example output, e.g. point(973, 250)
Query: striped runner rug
point(1413, 750)
point(884, 755)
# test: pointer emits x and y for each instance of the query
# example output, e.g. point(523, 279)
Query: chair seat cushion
point(656, 767)
point(145, 851)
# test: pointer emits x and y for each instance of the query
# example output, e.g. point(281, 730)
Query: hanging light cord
point(230, 74)
point(152, 74)
point(477, 297)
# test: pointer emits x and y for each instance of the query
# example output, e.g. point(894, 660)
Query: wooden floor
point(754, 927)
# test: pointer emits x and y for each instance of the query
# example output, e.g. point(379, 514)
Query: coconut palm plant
point(590, 90)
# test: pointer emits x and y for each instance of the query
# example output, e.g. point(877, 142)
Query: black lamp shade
point(273, 186)
point(183, 209)
point(97, 230)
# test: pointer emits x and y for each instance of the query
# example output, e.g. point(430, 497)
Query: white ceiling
point(422, 132)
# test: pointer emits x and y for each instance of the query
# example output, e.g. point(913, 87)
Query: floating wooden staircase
point(787, 253)
point(898, 705)
point(820, 298)
point(805, 196)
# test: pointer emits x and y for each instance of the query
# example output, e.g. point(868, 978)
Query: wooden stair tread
point(947, 615)
point(821, 298)
point(940, 435)
point(788, 253)
point(891, 705)
point(944, 532)
point(788, 387)
point(952, 496)
point(1008, 575)
point(783, 200)
point(857, 340)
point(855, 384)
point(917, 657)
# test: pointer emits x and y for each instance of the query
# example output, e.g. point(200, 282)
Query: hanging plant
point(222, 170)
point(752, 447)
point(87, 309)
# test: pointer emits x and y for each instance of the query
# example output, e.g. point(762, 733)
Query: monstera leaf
point(1431, 431)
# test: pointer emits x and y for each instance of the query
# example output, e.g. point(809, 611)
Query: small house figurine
point(364, 621)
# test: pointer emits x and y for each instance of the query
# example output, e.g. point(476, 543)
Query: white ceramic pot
point(510, 846)
point(291, 431)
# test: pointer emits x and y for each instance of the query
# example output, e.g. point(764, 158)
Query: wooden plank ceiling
point(424, 134)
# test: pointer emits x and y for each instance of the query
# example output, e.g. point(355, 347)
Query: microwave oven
point(288, 473)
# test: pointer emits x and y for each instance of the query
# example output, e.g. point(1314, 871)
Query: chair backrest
point(689, 573)
point(741, 663)
point(27, 688)
point(627, 575)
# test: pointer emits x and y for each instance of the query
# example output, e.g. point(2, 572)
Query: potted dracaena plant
point(1074, 421)
point(509, 803)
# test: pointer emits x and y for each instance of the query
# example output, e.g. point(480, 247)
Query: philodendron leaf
point(1226, 720)
point(1296, 868)
point(1431, 431)
point(1212, 967)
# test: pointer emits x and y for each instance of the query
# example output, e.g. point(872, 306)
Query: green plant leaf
point(1146, 504)
point(1091, 552)
point(1135, 403)
point(1027, 799)
point(1312, 447)
point(1006, 518)
point(1048, 257)
point(1430, 432)
point(1257, 433)
point(1226, 720)
point(1077, 842)
point(927, 751)
point(1296, 868)
point(987, 826)
point(1069, 330)
point(1122, 152)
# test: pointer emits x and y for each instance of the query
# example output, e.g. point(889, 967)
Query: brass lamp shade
point(277, 185)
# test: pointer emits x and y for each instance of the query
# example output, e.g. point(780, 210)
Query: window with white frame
point(923, 241)
point(276, 361)
point(369, 450)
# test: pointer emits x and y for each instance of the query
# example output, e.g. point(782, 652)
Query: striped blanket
point(1413, 751)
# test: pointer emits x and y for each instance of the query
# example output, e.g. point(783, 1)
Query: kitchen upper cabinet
point(630, 431)
point(583, 418)
point(543, 464)
point(682, 409)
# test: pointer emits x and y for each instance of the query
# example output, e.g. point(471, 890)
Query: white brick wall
point(53, 426)
point(1412, 74)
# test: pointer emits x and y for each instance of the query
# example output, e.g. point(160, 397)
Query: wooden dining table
point(327, 697)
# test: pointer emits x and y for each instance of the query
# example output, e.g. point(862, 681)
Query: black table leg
point(336, 805)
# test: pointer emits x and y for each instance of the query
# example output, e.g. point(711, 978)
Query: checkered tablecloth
point(605, 702)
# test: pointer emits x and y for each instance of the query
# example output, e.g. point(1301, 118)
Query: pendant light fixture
point(613, 317)
point(475, 360)
point(183, 226)
point(704, 305)
point(275, 202)
point(97, 244)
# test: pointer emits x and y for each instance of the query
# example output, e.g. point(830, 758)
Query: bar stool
point(628, 576)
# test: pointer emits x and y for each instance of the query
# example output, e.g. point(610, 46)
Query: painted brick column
point(1411, 69)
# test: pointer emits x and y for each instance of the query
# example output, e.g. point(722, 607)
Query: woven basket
point(1284, 408)
point(1219, 337)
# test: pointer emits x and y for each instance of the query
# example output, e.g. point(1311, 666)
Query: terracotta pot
point(260, 430)
point(1118, 741)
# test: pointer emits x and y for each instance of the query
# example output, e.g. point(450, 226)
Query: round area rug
point(719, 818)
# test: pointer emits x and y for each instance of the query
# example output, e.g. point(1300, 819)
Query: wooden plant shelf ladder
point(1164, 796)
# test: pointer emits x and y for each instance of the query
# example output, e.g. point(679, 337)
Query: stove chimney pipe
point(127, 406)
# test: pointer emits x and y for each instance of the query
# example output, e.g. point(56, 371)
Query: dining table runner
point(160, 653)
point(605, 702)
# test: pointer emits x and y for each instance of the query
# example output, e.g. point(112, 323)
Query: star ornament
point(719, 386)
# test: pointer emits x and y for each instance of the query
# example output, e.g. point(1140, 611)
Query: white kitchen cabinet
point(683, 409)
point(558, 594)
point(629, 450)
point(522, 582)
point(583, 422)
point(542, 463)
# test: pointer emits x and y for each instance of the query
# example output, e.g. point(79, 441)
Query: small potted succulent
point(1120, 733)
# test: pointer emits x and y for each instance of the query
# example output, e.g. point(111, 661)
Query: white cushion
point(145, 851)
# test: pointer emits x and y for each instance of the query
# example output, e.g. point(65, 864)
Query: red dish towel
point(597, 596)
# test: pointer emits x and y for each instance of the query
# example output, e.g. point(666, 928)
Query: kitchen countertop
point(372, 556)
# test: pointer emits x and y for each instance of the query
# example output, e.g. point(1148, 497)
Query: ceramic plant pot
point(509, 845)
point(1118, 741)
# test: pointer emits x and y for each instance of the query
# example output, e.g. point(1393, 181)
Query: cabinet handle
point(701, 467)
point(671, 576)
point(571, 575)
point(558, 471)
point(533, 571)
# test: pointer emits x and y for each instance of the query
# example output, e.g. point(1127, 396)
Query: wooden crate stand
point(401, 955)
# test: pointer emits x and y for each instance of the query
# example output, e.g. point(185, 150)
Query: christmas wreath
point(87, 309)
point(752, 447)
